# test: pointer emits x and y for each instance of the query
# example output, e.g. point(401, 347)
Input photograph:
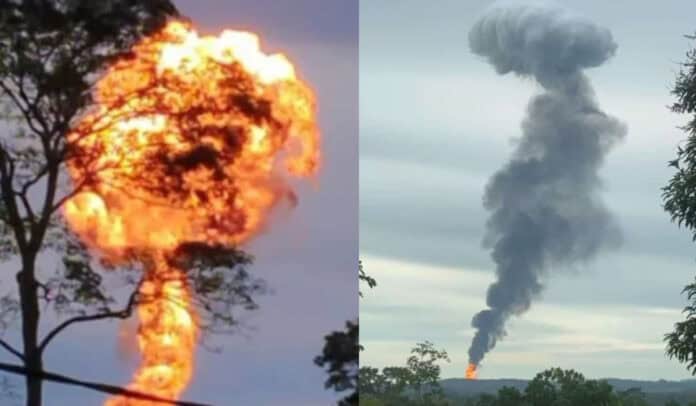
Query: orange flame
point(471, 371)
point(192, 140)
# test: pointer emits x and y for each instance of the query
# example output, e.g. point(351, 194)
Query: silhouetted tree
point(341, 354)
point(680, 202)
point(340, 357)
point(52, 52)
point(49, 53)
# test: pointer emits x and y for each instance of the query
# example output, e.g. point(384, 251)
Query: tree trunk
point(29, 302)
point(33, 388)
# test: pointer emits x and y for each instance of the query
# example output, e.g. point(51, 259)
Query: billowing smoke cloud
point(545, 210)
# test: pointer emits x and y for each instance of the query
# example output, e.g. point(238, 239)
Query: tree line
point(418, 383)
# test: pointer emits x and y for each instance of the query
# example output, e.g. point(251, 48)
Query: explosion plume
point(192, 141)
point(546, 212)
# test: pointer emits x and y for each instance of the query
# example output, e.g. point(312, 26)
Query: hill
point(658, 392)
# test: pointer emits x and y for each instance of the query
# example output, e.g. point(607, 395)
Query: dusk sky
point(308, 256)
point(437, 121)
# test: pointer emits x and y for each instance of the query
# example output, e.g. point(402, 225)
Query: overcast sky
point(437, 121)
point(308, 258)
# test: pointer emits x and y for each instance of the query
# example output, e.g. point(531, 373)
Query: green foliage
point(557, 387)
point(632, 397)
point(486, 400)
point(680, 202)
point(396, 381)
point(423, 365)
point(553, 387)
point(679, 197)
point(417, 383)
point(371, 401)
point(681, 343)
point(509, 397)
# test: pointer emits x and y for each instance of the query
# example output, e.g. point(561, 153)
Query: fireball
point(192, 139)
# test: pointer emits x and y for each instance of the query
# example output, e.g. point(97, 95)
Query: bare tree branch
point(27, 206)
point(25, 113)
point(39, 175)
point(124, 313)
point(4, 344)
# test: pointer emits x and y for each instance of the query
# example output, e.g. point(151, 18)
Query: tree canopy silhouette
point(680, 202)
point(52, 53)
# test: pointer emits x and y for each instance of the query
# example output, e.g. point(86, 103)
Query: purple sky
point(309, 257)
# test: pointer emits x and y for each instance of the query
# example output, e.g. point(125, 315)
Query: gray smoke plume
point(545, 210)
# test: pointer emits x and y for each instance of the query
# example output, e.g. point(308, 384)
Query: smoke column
point(545, 210)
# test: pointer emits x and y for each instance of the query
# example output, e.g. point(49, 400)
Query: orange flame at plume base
point(471, 371)
point(192, 140)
